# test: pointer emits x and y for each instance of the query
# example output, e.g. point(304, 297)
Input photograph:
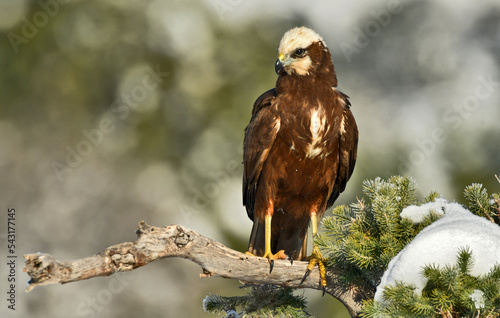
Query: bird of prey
point(300, 148)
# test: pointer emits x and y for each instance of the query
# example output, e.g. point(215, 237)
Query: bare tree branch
point(215, 259)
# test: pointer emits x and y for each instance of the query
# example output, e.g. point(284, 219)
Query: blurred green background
point(113, 112)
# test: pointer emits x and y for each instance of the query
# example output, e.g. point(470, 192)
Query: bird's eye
point(299, 53)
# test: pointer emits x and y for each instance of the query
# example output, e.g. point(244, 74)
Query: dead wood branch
point(215, 259)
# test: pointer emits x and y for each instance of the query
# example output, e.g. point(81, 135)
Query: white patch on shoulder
point(298, 38)
point(342, 124)
point(317, 123)
point(317, 128)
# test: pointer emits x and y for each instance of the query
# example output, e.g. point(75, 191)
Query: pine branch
point(262, 301)
point(215, 259)
point(497, 201)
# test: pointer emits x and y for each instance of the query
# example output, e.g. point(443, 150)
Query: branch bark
point(215, 259)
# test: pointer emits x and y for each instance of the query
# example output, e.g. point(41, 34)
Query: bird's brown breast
point(309, 129)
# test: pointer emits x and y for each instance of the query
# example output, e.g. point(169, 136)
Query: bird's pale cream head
point(293, 50)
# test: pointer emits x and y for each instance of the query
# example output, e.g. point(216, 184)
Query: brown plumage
point(300, 147)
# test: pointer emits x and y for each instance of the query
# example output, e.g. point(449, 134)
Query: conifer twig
point(497, 201)
point(215, 259)
point(488, 216)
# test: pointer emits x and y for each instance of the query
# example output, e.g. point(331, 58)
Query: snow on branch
point(215, 259)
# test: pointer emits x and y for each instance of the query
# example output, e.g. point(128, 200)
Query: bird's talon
point(312, 262)
point(305, 276)
point(317, 258)
point(271, 257)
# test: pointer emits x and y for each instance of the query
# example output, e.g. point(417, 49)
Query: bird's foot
point(317, 258)
point(271, 257)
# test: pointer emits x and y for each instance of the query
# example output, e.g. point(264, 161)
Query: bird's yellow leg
point(267, 252)
point(316, 256)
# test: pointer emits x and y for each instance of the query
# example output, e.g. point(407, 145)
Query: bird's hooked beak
point(280, 63)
